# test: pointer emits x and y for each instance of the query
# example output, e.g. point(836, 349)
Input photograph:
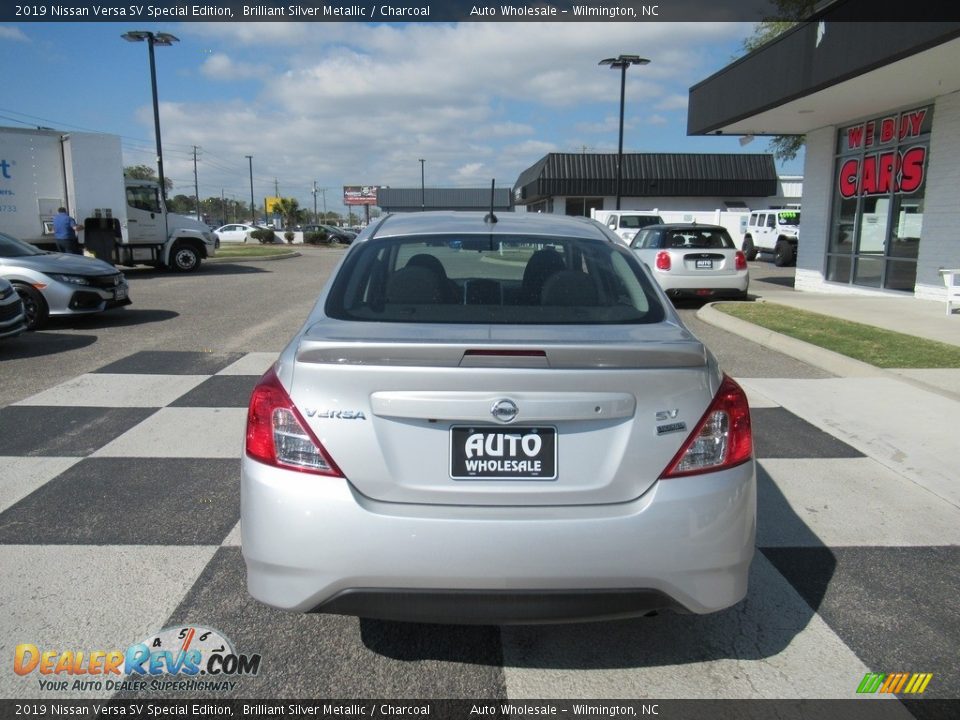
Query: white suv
point(773, 231)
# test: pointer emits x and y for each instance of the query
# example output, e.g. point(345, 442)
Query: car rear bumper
point(691, 285)
point(314, 544)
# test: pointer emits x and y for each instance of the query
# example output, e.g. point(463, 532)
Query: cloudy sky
point(342, 103)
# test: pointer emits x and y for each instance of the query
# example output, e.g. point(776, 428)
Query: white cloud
point(343, 103)
point(220, 66)
point(657, 119)
point(12, 33)
point(672, 102)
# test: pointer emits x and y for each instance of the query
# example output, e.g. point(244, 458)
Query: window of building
point(583, 206)
point(877, 218)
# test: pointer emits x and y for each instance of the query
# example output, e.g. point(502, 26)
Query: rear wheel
point(783, 253)
point(34, 307)
point(749, 251)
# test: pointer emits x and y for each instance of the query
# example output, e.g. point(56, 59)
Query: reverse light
point(278, 435)
point(741, 260)
point(722, 439)
point(663, 260)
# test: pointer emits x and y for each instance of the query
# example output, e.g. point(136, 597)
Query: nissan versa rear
point(496, 420)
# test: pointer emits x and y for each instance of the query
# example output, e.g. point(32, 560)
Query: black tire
point(34, 307)
point(749, 251)
point(184, 258)
point(783, 254)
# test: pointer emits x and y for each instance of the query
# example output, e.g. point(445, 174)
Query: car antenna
point(490, 217)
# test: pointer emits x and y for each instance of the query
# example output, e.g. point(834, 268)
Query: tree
point(789, 13)
point(289, 211)
point(145, 172)
point(183, 204)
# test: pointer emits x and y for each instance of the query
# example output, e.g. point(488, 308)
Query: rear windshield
point(502, 280)
point(696, 238)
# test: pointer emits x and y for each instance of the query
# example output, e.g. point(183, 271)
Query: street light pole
point(162, 39)
point(253, 208)
point(622, 62)
point(423, 204)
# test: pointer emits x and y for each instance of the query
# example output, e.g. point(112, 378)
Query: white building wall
point(815, 215)
point(940, 236)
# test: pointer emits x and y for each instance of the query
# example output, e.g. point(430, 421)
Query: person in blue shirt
point(65, 232)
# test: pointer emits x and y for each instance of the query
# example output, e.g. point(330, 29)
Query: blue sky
point(343, 103)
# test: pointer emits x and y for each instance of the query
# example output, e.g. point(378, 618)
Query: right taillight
point(741, 260)
point(278, 435)
point(663, 260)
point(722, 439)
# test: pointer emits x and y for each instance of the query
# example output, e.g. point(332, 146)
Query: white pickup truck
point(626, 223)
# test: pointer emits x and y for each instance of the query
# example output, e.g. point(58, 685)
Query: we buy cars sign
point(898, 168)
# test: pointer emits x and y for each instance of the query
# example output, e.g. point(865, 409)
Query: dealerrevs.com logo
point(896, 683)
point(190, 658)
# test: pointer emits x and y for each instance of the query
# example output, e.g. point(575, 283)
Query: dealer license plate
point(705, 264)
point(501, 453)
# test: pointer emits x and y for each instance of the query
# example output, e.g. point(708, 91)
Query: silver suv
point(773, 231)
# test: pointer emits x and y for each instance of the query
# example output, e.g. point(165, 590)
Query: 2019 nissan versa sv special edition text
point(496, 420)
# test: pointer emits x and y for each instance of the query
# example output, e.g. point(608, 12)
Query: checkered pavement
point(119, 516)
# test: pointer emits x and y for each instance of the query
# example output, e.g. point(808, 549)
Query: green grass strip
point(241, 251)
point(879, 347)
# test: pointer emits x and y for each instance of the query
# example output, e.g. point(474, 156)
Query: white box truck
point(42, 170)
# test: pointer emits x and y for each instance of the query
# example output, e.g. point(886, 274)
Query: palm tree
point(289, 211)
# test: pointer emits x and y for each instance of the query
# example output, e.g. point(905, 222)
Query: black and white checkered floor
point(119, 516)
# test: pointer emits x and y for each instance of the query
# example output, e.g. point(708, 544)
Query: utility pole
point(253, 208)
point(423, 195)
point(196, 184)
point(316, 220)
point(223, 208)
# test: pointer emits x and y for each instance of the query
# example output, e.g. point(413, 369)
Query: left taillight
point(722, 439)
point(278, 435)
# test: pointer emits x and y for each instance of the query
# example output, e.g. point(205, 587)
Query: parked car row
point(57, 284)
point(241, 232)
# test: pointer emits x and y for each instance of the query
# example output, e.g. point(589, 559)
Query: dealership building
point(578, 183)
point(879, 105)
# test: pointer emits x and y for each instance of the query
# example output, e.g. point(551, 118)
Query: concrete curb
point(827, 360)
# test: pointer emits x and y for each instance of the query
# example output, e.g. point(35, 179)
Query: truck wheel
point(184, 258)
point(782, 254)
point(749, 251)
point(34, 307)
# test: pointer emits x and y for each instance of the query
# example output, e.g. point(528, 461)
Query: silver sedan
point(51, 283)
point(496, 422)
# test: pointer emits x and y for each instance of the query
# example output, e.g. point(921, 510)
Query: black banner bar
point(867, 708)
point(178, 11)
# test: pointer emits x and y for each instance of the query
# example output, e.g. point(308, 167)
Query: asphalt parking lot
point(119, 517)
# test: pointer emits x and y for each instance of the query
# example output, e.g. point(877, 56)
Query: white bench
point(950, 278)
